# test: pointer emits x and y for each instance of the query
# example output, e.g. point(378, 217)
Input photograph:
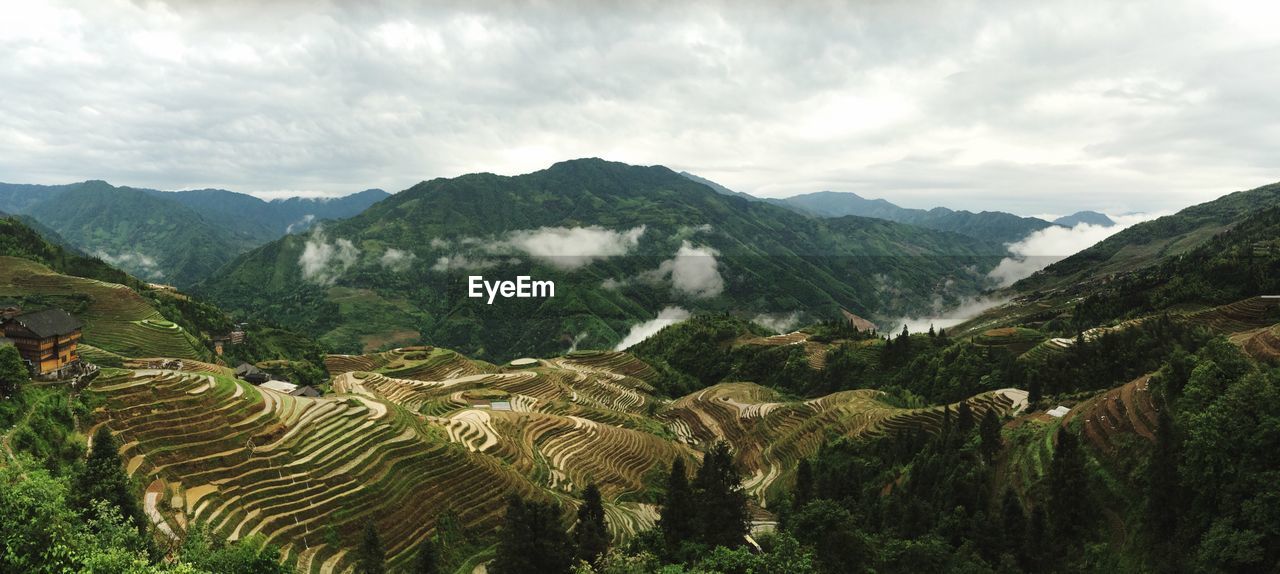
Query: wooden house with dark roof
point(47, 340)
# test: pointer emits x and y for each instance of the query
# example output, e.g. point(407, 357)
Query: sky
point(1029, 107)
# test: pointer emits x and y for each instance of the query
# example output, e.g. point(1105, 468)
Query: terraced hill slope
point(116, 318)
point(411, 432)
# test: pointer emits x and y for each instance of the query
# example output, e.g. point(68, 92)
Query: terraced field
point(1264, 345)
point(117, 320)
point(815, 353)
point(770, 436)
point(410, 432)
point(1124, 410)
point(1245, 315)
point(244, 460)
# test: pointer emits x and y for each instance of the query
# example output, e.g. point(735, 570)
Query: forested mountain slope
point(169, 237)
point(991, 225)
point(621, 242)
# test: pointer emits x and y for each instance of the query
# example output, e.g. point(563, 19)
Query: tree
point(964, 418)
point(1035, 388)
point(427, 560)
point(1037, 538)
point(989, 433)
point(591, 534)
point(12, 371)
point(370, 557)
point(1163, 496)
point(804, 484)
point(102, 477)
point(1013, 526)
point(677, 520)
point(533, 540)
point(1069, 508)
point(720, 502)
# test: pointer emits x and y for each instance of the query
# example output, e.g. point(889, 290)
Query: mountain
point(173, 237)
point(1154, 241)
point(268, 220)
point(621, 243)
point(1089, 217)
point(990, 225)
point(148, 236)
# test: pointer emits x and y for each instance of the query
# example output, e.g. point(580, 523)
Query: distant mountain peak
point(1090, 217)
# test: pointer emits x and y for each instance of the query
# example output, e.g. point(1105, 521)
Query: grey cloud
point(1031, 107)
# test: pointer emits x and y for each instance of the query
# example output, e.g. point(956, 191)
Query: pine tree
point(1013, 526)
point(946, 422)
point(804, 484)
point(1035, 389)
point(370, 557)
point(678, 518)
point(1036, 551)
point(532, 540)
point(12, 371)
point(989, 433)
point(591, 534)
point(1069, 507)
point(964, 418)
point(427, 560)
point(722, 518)
point(1163, 496)
point(102, 478)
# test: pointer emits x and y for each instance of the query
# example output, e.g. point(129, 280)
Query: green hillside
point(768, 259)
point(1150, 242)
point(988, 225)
point(168, 237)
point(147, 236)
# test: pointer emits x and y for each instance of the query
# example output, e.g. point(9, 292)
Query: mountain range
point(621, 242)
point(996, 226)
point(171, 237)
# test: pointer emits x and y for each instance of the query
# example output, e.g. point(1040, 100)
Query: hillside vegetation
point(397, 273)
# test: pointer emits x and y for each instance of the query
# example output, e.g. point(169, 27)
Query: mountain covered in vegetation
point(622, 243)
point(1089, 217)
point(169, 237)
point(992, 225)
point(1144, 445)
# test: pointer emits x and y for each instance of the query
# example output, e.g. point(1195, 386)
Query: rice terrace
point(695, 287)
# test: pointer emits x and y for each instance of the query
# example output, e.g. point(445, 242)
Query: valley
point(428, 446)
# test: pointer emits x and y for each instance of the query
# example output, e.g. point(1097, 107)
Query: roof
point(305, 391)
point(1059, 411)
point(49, 322)
point(246, 369)
point(280, 386)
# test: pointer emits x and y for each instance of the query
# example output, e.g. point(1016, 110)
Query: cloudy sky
point(1031, 107)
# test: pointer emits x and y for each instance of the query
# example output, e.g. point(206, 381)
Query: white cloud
point(301, 224)
point(1051, 244)
point(138, 263)
point(641, 331)
point(967, 309)
point(571, 247)
point(461, 262)
point(778, 322)
point(397, 260)
point(1116, 106)
point(693, 272)
point(323, 262)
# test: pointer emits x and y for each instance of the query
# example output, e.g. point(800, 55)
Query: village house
point(47, 341)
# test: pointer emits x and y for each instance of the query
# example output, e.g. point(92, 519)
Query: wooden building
point(47, 340)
